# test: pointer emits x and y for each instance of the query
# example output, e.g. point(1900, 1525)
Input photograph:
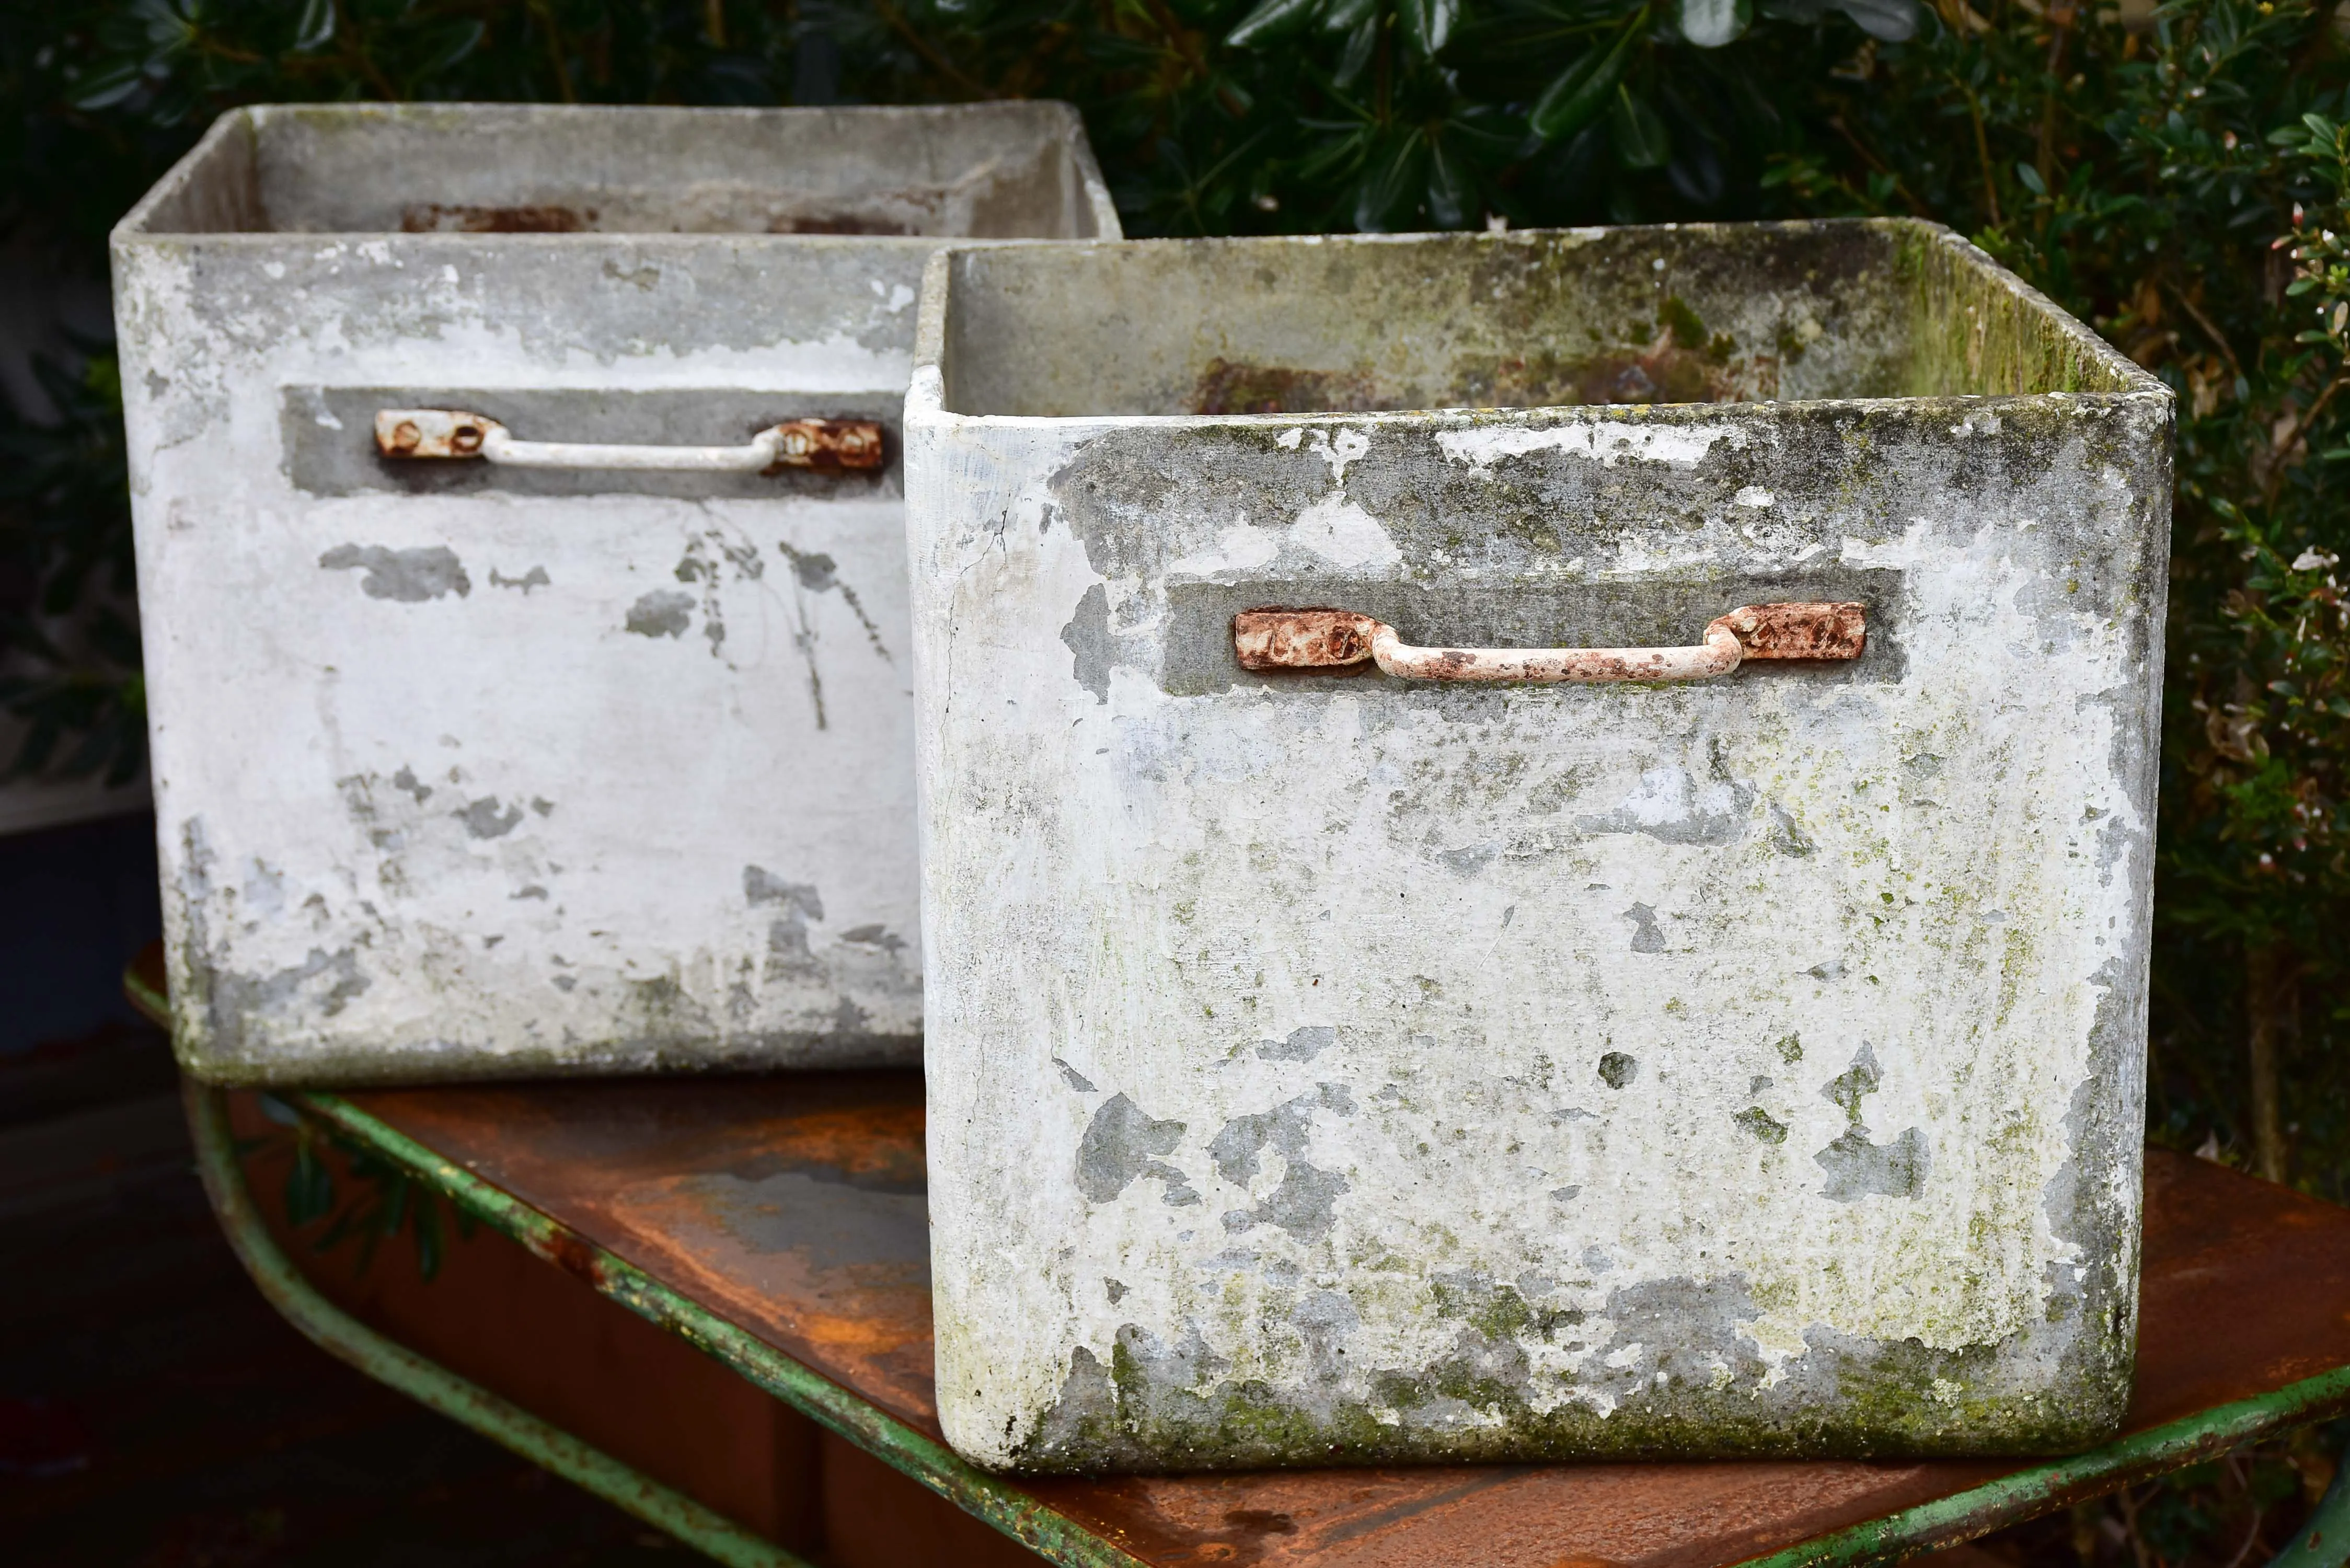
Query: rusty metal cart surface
point(778, 1223)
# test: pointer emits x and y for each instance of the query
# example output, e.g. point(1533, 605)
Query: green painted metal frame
point(1943, 1523)
point(923, 1458)
point(433, 1385)
point(2323, 1541)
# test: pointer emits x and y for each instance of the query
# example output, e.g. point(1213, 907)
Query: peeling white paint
point(1343, 534)
point(1338, 449)
point(1606, 441)
point(1239, 548)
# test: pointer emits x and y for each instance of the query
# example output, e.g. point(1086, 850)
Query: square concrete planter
point(561, 751)
point(1387, 1034)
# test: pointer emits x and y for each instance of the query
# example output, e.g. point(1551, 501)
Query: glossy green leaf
point(110, 88)
point(443, 47)
point(1396, 170)
point(309, 1187)
point(316, 26)
point(1641, 139)
point(1581, 91)
point(1893, 21)
point(1271, 20)
point(1357, 54)
point(1711, 24)
point(1448, 188)
point(429, 1247)
point(1427, 24)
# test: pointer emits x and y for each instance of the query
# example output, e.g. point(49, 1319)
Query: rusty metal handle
point(795, 443)
point(1277, 639)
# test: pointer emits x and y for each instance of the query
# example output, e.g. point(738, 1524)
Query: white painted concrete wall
point(530, 776)
point(1326, 1067)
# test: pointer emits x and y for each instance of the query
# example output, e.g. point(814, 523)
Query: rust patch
point(437, 218)
point(431, 432)
point(834, 1272)
point(1272, 638)
point(882, 1142)
point(574, 1256)
point(1800, 630)
point(825, 446)
point(828, 444)
point(836, 225)
point(1679, 364)
point(1225, 387)
point(1666, 373)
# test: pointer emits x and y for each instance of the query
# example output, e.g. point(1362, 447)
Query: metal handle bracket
point(452, 433)
point(1274, 638)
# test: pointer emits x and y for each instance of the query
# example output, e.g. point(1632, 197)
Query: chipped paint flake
point(1240, 549)
point(1342, 534)
point(1605, 441)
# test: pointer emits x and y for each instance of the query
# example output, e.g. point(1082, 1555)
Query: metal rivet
point(406, 435)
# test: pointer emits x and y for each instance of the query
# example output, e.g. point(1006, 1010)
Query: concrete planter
point(543, 758)
point(1329, 1064)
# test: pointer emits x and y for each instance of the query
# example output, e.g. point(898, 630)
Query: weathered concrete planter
point(472, 768)
point(1327, 1066)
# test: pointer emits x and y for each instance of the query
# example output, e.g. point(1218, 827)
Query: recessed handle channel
point(795, 443)
point(1277, 639)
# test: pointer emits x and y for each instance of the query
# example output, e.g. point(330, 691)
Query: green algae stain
point(2014, 967)
point(1977, 335)
point(1896, 1399)
point(1847, 1088)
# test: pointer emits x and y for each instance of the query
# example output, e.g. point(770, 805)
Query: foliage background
point(2177, 176)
